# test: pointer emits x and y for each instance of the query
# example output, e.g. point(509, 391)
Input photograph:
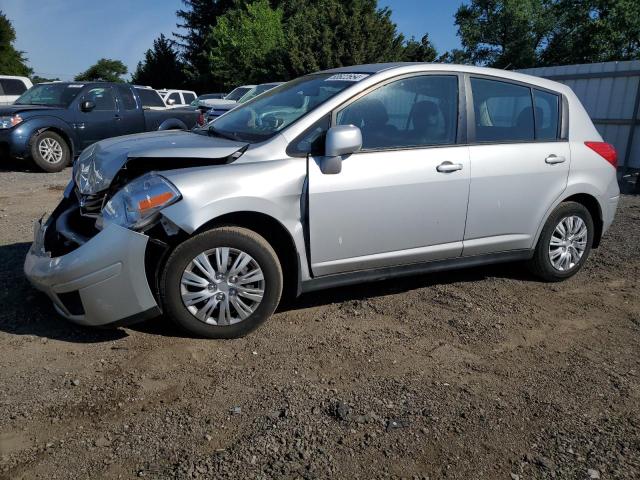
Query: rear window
point(150, 98)
point(12, 86)
point(504, 111)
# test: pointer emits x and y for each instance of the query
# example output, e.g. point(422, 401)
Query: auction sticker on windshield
point(347, 77)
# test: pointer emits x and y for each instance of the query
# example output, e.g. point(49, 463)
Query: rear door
point(393, 203)
point(102, 121)
point(519, 164)
point(130, 118)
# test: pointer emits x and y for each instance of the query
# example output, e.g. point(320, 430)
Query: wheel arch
point(173, 124)
point(60, 132)
point(278, 237)
point(593, 206)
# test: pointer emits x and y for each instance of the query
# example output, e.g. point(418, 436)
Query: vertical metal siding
point(610, 92)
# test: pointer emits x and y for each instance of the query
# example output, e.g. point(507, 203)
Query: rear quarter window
point(547, 112)
point(12, 86)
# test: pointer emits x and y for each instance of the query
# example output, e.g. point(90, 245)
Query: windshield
point(264, 116)
point(237, 93)
point(51, 94)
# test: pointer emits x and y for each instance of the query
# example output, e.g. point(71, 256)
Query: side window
point(412, 112)
point(126, 97)
point(547, 111)
point(503, 111)
point(102, 97)
point(13, 86)
point(311, 141)
point(188, 97)
point(175, 96)
point(150, 98)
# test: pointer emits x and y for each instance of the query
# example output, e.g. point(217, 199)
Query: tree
point(197, 19)
point(161, 65)
point(324, 34)
point(422, 51)
point(246, 43)
point(105, 69)
point(12, 61)
point(589, 31)
point(38, 79)
point(504, 33)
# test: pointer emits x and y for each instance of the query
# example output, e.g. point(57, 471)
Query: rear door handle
point(448, 167)
point(553, 159)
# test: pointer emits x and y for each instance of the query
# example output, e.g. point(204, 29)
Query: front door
point(403, 198)
point(102, 121)
point(519, 165)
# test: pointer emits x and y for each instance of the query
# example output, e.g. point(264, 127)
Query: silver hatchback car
point(339, 177)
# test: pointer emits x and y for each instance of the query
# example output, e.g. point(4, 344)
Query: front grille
point(90, 205)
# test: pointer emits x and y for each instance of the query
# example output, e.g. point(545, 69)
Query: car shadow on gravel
point(26, 311)
point(514, 271)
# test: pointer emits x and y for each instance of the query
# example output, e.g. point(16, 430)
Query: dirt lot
point(477, 374)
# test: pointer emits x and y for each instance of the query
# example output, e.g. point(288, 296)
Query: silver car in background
point(339, 177)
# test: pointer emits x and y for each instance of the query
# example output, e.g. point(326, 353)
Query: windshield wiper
point(218, 133)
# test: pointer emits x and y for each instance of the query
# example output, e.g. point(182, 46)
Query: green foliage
point(38, 79)
point(197, 19)
point(12, 61)
point(105, 69)
point(330, 33)
point(594, 31)
point(422, 51)
point(246, 44)
point(161, 66)
point(504, 33)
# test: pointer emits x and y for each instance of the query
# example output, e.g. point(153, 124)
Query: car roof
point(409, 67)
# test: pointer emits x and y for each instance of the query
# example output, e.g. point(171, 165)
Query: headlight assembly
point(136, 206)
point(9, 122)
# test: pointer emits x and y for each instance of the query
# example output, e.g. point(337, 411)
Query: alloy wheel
point(50, 150)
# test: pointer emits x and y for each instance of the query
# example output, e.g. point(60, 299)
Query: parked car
point(204, 100)
point(218, 109)
point(12, 87)
point(340, 177)
point(177, 98)
point(52, 123)
point(230, 99)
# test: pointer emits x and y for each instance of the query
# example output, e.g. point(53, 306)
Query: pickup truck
point(51, 123)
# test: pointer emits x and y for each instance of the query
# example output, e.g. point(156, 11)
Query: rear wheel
point(50, 152)
point(222, 283)
point(564, 244)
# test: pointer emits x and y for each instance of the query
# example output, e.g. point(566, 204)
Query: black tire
point(541, 265)
point(236, 238)
point(43, 163)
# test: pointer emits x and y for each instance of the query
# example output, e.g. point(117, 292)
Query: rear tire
point(49, 151)
point(565, 243)
point(238, 288)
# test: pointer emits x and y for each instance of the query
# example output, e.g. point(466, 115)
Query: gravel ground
point(483, 373)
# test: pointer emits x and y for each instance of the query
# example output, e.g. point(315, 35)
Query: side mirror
point(171, 101)
point(340, 141)
point(87, 106)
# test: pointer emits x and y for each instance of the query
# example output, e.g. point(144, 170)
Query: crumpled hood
point(98, 164)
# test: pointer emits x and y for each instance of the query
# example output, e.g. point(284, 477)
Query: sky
point(62, 38)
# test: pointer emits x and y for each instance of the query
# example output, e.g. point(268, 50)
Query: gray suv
point(339, 177)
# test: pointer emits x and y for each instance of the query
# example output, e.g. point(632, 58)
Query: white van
point(12, 87)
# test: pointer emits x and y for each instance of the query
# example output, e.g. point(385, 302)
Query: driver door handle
point(553, 159)
point(448, 167)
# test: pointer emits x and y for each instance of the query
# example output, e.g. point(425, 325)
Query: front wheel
point(222, 283)
point(564, 244)
point(50, 152)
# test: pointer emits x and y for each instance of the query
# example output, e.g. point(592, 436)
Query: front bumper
point(14, 142)
point(101, 282)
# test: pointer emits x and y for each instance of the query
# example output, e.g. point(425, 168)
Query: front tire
point(222, 283)
point(564, 244)
point(50, 152)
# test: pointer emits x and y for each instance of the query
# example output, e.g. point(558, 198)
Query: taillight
point(201, 121)
point(605, 150)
